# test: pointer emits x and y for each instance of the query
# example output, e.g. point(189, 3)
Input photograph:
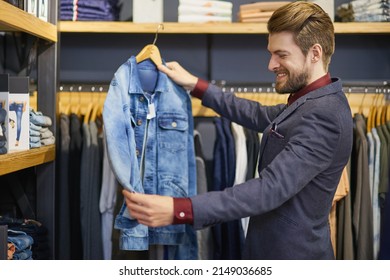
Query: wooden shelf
point(15, 160)
point(206, 28)
point(14, 19)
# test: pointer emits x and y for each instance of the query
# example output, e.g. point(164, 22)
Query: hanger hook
point(158, 28)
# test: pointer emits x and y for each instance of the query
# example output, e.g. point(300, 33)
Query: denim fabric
point(162, 144)
point(39, 119)
point(188, 250)
point(35, 133)
point(3, 115)
point(89, 10)
point(65, 9)
point(23, 255)
point(35, 127)
point(20, 239)
point(46, 134)
point(18, 109)
point(35, 145)
point(48, 141)
point(34, 139)
point(93, 4)
point(65, 15)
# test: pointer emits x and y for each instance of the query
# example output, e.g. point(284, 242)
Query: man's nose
point(273, 64)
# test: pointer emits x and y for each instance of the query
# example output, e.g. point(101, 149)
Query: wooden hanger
point(96, 110)
point(88, 113)
point(371, 116)
point(387, 106)
point(379, 113)
point(94, 113)
point(151, 51)
point(66, 109)
point(387, 118)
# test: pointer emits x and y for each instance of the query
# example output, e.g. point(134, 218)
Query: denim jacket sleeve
point(120, 134)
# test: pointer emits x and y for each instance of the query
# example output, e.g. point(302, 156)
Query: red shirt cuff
point(200, 88)
point(182, 208)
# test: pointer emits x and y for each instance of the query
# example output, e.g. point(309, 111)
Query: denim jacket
point(154, 154)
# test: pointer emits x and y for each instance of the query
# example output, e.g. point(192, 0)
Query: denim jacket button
point(174, 124)
point(137, 152)
point(141, 99)
point(139, 122)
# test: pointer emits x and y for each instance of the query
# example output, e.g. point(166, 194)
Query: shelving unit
point(206, 28)
point(15, 161)
point(89, 33)
point(13, 19)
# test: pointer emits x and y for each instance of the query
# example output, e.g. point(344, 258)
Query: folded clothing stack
point(201, 11)
point(40, 134)
point(89, 10)
point(258, 11)
point(364, 11)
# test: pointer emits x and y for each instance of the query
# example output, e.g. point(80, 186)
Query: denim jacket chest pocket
point(172, 137)
point(171, 134)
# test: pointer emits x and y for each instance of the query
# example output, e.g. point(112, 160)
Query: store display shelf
point(206, 28)
point(17, 160)
point(14, 19)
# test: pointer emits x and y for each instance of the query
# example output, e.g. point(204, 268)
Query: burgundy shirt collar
point(321, 82)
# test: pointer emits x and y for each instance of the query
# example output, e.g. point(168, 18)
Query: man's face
point(288, 63)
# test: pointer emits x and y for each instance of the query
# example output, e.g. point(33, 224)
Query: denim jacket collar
point(134, 81)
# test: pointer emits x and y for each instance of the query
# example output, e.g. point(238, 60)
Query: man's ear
point(316, 53)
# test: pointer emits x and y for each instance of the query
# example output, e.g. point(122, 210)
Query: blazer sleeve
point(248, 113)
point(309, 151)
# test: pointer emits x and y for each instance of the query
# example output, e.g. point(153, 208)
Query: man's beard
point(293, 84)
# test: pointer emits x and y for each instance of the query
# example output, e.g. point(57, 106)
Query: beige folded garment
point(263, 6)
point(255, 15)
point(253, 20)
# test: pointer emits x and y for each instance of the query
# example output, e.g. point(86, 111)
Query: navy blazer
point(304, 149)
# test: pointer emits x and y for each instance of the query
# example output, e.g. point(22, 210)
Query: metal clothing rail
point(349, 87)
point(361, 97)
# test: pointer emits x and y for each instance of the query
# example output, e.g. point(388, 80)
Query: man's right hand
point(179, 75)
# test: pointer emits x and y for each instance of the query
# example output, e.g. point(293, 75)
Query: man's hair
point(309, 24)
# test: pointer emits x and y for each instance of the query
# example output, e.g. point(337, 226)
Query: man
point(305, 146)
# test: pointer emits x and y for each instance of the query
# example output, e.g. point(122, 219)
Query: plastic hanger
point(151, 51)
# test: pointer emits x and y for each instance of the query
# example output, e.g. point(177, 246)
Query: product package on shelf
point(31, 7)
point(148, 11)
point(43, 9)
point(14, 99)
point(204, 11)
point(258, 11)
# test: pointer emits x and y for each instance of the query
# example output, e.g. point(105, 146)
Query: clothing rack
point(361, 97)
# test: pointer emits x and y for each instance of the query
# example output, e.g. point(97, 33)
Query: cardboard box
point(148, 11)
point(14, 96)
